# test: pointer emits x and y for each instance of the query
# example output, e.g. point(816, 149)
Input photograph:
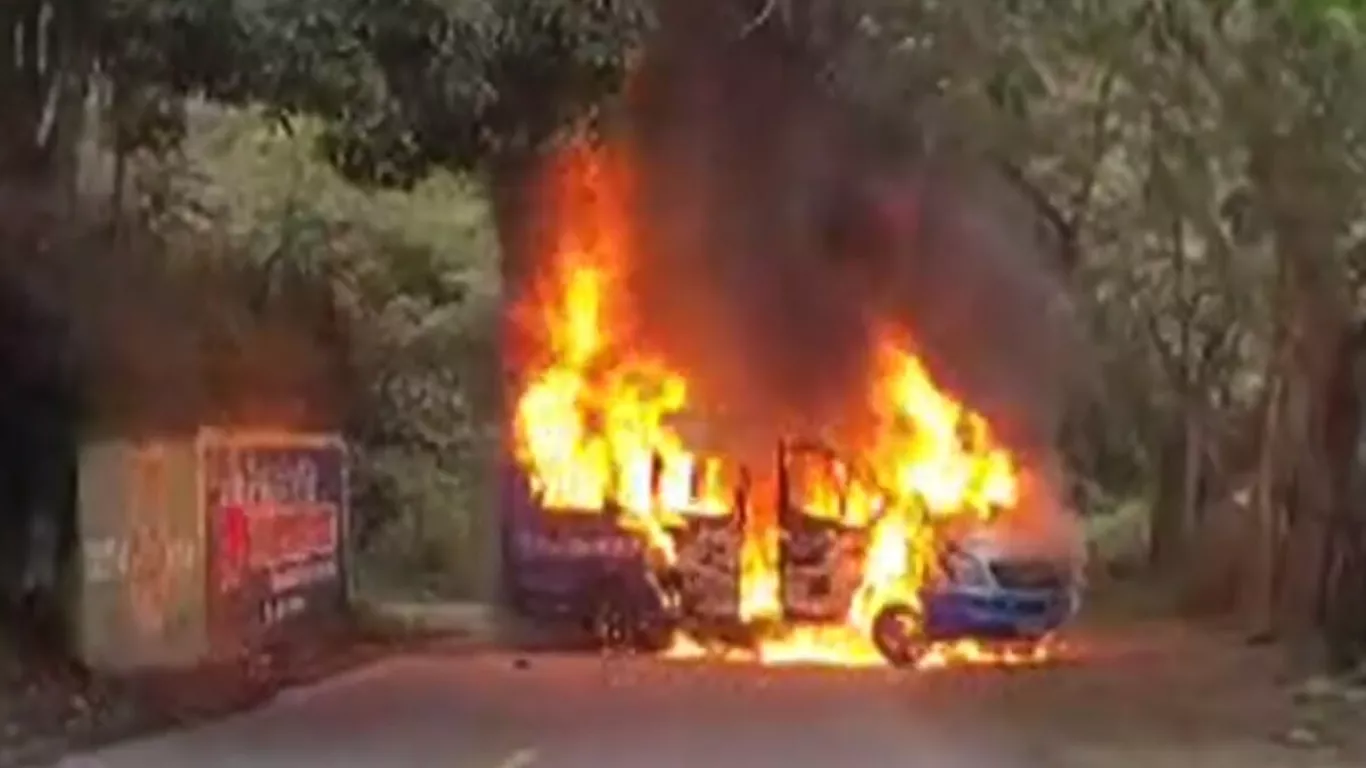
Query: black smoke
point(777, 236)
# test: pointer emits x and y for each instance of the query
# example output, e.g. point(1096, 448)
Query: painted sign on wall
point(276, 513)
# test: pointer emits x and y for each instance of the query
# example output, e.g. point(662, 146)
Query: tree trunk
point(1342, 588)
point(516, 201)
point(1303, 463)
point(1260, 584)
point(1166, 542)
point(46, 56)
point(514, 196)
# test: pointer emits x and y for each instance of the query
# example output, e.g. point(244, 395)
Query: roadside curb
point(457, 626)
point(473, 622)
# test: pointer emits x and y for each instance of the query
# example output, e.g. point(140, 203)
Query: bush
point(412, 279)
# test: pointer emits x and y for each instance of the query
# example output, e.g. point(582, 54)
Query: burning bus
point(889, 544)
point(588, 567)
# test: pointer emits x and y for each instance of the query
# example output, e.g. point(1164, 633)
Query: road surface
point(563, 711)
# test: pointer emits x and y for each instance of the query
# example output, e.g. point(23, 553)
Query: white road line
point(520, 759)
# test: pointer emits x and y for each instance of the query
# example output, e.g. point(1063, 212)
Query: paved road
point(489, 711)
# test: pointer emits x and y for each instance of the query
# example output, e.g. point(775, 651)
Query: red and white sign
point(283, 535)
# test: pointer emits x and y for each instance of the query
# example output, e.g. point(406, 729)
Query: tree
point(1199, 166)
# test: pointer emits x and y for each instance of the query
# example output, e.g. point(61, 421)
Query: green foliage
point(403, 86)
point(414, 276)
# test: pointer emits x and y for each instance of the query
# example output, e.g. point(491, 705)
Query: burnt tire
point(610, 626)
point(896, 635)
point(617, 625)
point(653, 635)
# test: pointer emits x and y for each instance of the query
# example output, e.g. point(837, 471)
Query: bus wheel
point(896, 635)
point(611, 625)
point(621, 623)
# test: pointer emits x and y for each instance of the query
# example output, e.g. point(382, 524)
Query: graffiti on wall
point(275, 512)
point(150, 557)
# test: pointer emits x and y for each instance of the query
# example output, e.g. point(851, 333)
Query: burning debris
point(737, 414)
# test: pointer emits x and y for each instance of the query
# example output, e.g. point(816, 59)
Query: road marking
point(520, 759)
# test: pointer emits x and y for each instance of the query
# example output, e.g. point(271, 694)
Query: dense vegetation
point(1197, 167)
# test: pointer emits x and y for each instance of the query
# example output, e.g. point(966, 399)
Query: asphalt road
point(564, 711)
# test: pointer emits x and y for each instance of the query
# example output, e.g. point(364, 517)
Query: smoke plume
point(777, 242)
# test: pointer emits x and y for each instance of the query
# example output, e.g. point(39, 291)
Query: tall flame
point(592, 430)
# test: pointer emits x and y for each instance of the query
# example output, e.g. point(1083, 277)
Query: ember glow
point(593, 431)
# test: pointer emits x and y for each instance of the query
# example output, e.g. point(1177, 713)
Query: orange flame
point(592, 430)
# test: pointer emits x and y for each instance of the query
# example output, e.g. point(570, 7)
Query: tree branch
point(1064, 229)
point(1100, 147)
point(762, 18)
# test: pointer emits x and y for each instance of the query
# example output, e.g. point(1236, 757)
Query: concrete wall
point(141, 601)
